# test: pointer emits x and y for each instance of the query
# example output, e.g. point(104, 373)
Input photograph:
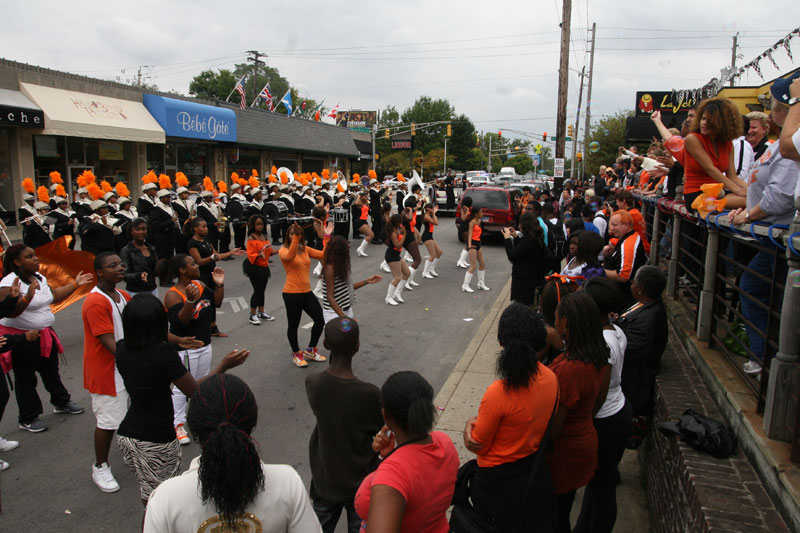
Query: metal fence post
point(672, 272)
point(781, 409)
point(705, 307)
point(654, 240)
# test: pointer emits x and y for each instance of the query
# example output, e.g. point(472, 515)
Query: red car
point(496, 204)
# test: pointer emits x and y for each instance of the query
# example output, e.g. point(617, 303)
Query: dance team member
point(386, 214)
point(395, 236)
point(360, 209)
point(429, 222)
point(475, 253)
point(463, 230)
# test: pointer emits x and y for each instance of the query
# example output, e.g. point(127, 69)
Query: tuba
point(288, 174)
point(416, 180)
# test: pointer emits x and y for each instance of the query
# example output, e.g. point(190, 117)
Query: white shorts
point(330, 314)
point(110, 410)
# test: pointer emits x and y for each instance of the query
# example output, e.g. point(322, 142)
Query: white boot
point(389, 293)
point(398, 292)
point(462, 259)
point(482, 281)
point(426, 272)
point(360, 251)
point(467, 278)
point(408, 258)
point(385, 266)
point(410, 282)
point(318, 289)
point(318, 269)
point(432, 270)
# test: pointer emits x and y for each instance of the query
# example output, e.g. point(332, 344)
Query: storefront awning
point(95, 117)
point(180, 118)
point(17, 110)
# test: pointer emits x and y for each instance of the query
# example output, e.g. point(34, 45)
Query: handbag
point(464, 518)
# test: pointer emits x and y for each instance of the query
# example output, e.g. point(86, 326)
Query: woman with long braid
point(338, 288)
point(224, 489)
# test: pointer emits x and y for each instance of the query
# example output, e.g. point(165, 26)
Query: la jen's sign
point(667, 102)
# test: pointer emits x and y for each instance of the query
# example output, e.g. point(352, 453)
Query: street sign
point(568, 139)
point(537, 160)
point(559, 167)
point(538, 148)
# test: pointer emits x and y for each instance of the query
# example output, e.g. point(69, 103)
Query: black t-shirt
point(199, 325)
point(205, 250)
point(348, 413)
point(148, 376)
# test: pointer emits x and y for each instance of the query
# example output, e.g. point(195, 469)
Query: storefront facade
point(17, 113)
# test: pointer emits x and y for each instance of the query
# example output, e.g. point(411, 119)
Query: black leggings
point(295, 304)
point(259, 286)
point(27, 362)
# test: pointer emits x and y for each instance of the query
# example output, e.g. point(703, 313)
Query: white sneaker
point(182, 435)
point(3, 465)
point(254, 320)
point(751, 367)
point(104, 479)
point(7, 445)
point(385, 267)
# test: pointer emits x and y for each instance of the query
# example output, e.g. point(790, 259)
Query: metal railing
point(732, 283)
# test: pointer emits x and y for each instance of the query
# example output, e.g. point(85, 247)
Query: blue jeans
point(328, 512)
point(756, 289)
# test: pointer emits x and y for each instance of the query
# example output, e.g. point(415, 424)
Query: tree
point(609, 133)
point(462, 144)
point(522, 164)
point(427, 110)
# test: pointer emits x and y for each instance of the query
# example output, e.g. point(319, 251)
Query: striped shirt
point(341, 293)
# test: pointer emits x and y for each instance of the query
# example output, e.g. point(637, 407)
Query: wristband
point(25, 299)
point(188, 301)
point(76, 285)
point(220, 285)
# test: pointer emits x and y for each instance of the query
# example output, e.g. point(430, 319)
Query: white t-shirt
point(116, 317)
point(741, 145)
point(573, 268)
point(283, 506)
point(38, 314)
point(601, 224)
point(615, 400)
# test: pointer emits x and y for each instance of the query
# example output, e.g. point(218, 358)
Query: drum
point(341, 215)
point(304, 221)
point(275, 212)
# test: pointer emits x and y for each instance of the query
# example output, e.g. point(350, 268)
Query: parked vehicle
point(496, 203)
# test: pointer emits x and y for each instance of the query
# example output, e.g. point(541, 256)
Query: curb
point(445, 394)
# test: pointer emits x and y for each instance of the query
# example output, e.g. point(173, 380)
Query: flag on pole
point(240, 89)
point(317, 109)
point(266, 96)
point(333, 112)
point(287, 102)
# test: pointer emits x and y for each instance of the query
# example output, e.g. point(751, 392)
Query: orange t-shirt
point(511, 423)
point(644, 177)
point(98, 362)
point(297, 265)
point(254, 247)
point(693, 174)
point(640, 228)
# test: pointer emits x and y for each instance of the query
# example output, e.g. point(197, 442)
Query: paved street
point(49, 483)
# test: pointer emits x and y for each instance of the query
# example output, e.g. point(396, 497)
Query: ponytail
point(521, 333)
point(221, 416)
point(408, 398)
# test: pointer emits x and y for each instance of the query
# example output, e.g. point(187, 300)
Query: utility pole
point(489, 163)
point(374, 130)
point(445, 155)
point(733, 54)
point(254, 57)
point(563, 79)
point(577, 121)
point(139, 77)
point(589, 96)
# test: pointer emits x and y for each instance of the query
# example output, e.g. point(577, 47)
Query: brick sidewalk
point(461, 395)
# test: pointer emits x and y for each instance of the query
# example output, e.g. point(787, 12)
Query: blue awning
point(180, 118)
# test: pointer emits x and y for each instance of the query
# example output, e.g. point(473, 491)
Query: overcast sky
point(497, 62)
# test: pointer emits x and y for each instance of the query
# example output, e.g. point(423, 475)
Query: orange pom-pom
point(150, 177)
point(274, 170)
point(95, 192)
point(319, 182)
point(326, 173)
point(356, 177)
point(28, 186)
point(272, 179)
point(86, 177)
point(122, 189)
point(372, 174)
point(222, 186)
point(234, 177)
point(208, 185)
point(55, 177)
point(41, 192)
point(253, 181)
point(181, 180)
point(60, 191)
point(284, 177)
point(254, 173)
point(164, 182)
point(106, 186)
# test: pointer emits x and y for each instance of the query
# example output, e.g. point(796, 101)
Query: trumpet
point(224, 220)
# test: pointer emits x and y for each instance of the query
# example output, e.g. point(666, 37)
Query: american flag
point(333, 112)
point(240, 89)
point(266, 96)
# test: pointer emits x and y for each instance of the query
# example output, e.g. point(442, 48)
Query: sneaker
point(254, 320)
point(314, 355)
point(70, 408)
point(34, 426)
point(104, 479)
point(3, 465)
point(751, 367)
point(298, 360)
point(7, 445)
point(264, 316)
point(180, 433)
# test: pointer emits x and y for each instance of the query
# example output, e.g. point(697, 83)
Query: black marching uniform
point(375, 199)
point(35, 234)
point(181, 208)
point(62, 225)
point(144, 205)
point(235, 212)
point(96, 237)
point(164, 231)
point(204, 212)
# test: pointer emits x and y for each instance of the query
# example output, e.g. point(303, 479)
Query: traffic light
point(386, 135)
point(377, 156)
point(569, 130)
point(500, 134)
point(413, 129)
point(579, 156)
point(449, 130)
point(544, 137)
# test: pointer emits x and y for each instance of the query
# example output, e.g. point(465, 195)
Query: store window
point(192, 160)
point(291, 164)
point(313, 165)
point(155, 158)
point(49, 154)
point(244, 165)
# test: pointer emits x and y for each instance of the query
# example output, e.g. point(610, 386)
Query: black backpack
point(556, 239)
point(702, 433)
